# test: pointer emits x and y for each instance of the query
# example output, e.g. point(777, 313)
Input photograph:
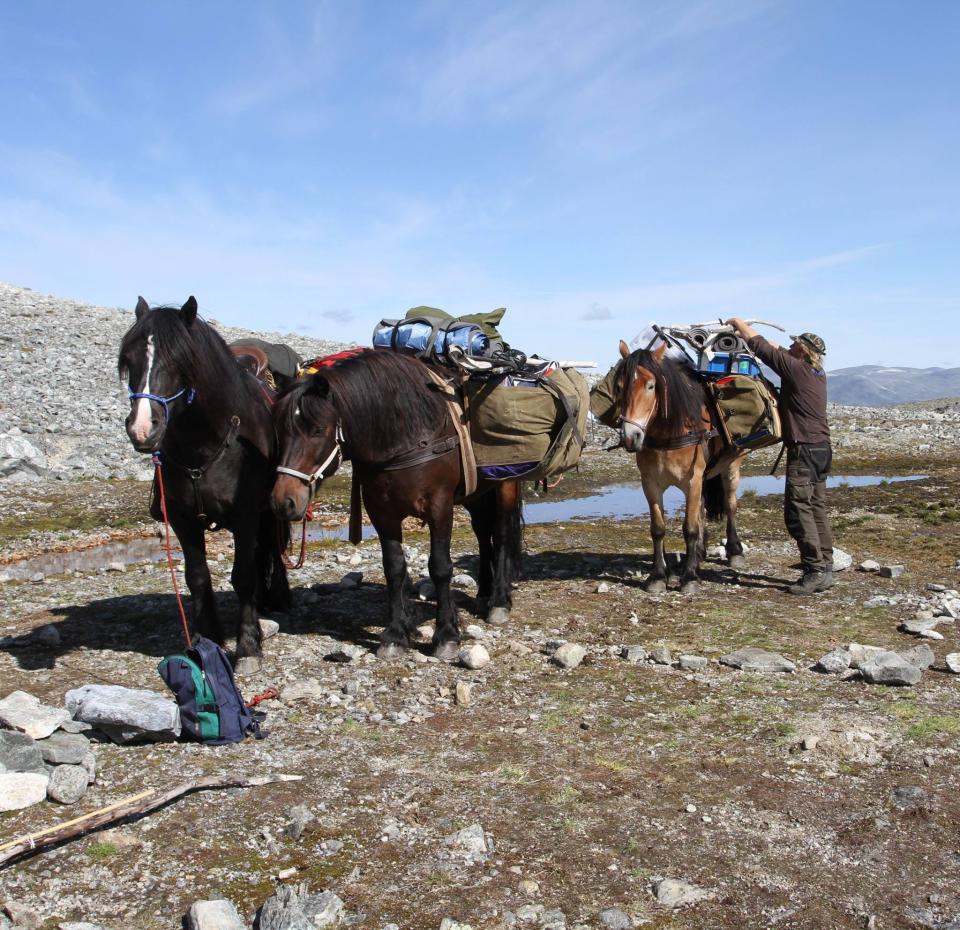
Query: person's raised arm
point(744, 329)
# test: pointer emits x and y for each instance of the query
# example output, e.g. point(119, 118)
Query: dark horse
point(665, 419)
point(210, 422)
point(384, 412)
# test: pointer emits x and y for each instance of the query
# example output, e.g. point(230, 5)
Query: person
point(806, 435)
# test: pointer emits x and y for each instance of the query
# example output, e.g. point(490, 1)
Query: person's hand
point(736, 323)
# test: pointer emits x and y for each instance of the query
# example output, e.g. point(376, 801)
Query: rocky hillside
point(62, 406)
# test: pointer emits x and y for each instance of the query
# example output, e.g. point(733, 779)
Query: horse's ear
point(143, 308)
point(660, 351)
point(624, 350)
point(189, 310)
point(320, 387)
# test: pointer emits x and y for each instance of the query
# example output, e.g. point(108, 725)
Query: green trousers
point(805, 503)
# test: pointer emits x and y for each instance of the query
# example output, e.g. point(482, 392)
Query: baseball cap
point(812, 341)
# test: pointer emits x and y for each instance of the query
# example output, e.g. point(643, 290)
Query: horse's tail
point(714, 498)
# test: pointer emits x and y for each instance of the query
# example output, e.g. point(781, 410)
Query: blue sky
point(591, 166)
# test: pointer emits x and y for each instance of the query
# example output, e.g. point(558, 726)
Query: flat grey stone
point(891, 571)
point(673, 892)
point(692, 663)
point(918, 625)
point(908, 797)
point(68, 783)
point(300, 817)
point(24, 712)
point(217, 914)
point(351, 581)
point(878, 600)
point(870, 565)
point(64, 748)
point(634, 654)
point(569, 655)
point(462, 580)
point(889, 668)
point(834, 662)
point(346, 652)
point(125, 714)
point(752, 659)
point(21, 789)
point(324, 909)
point(615, 919)
point(268, 629)
point(952, 662)
point(78, 925)
point(309, 689)
point(19, 753)
point(921, 656)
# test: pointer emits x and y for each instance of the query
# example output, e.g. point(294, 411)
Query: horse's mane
point(384, 400)
point(197, 352)
point(680, 395)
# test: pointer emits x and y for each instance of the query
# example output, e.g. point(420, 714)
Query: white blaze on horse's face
point(639, 411)
point(141, 423)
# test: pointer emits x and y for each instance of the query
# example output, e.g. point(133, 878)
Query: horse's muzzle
point(290, 498)
point(145, 440)
point(632, 436)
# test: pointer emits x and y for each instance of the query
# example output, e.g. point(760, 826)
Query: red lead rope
point(287, 561)
point(166, 527)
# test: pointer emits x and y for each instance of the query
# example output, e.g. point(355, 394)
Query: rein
point(166, 527)
point(165, 401)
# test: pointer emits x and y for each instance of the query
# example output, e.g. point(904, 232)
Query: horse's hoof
point(498, 616)
point(247, 665)
point(390, 651)
point(737, 562)
point(448, 651)
point(690, 587)
point(656, 586)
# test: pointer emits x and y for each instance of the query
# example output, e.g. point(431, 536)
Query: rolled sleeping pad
point(414, 336)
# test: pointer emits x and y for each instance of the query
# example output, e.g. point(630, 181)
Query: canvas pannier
point(542, 423)
point(603, 399)
point(748, 410)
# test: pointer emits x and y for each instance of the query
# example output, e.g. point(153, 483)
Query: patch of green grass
point(566, 796)
point(512, 772)
point(100, 851)
point(926, 728)
point(614, 765)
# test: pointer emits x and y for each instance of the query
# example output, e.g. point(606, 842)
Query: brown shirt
point(803, 393)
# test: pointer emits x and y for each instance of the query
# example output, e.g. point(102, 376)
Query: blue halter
point(166, 401)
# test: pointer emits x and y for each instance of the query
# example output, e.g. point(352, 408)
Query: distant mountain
point(877, 386)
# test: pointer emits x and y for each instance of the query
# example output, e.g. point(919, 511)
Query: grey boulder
point(890, 668)
point(125, 714)
point(19, 753)
point(752, 659)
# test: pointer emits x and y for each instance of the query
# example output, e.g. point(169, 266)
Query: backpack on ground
point(211, 706)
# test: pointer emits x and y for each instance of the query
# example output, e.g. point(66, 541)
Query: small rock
point(891, 571)
point(569, 655)
point(21, 789)
point(89, 762)
point(869, 565)
point(920, 656)
point(860, 654)
point(672, 892)
point(351, 581)
point(268, 628)
point(810, 742)
point(528, 887)
point(20, 753)
point(64, 748)
point(309, 689)
point(918, 626)
point(879, 600)
point(462, 696)
point(346, 652)
point(448, 923)
point(21, 916)
point(324, 910)
point(462, 580)
point(24, 712)
point(952, 662)
point(692, 663)
point(841, 560)
point(634, 654)
point(889, 668)
point(908, 797)
point(834, 662)
point(662, 655)
point(218, 914)
point(615, 919)
point(68, 783)
point(470, 839)
point(47, 636)
point(474, 656)
point(752, 659)
point(603, 588)
point(299, 818)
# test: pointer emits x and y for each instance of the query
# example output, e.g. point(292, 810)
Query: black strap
point(783, 447)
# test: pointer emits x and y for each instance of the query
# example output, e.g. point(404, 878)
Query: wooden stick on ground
point(142, 803)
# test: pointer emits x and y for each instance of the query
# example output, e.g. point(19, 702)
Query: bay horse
point(383, 412)
point(665, 418)
point(208, 421)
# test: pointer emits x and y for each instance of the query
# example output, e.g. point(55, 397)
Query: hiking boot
point(827, 581)
point(810, 583)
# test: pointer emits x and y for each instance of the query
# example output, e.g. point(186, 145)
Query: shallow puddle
point(618, 502)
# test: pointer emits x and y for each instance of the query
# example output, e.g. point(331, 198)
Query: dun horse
point(383, 412)
point(665, 419)
point(210, 423)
